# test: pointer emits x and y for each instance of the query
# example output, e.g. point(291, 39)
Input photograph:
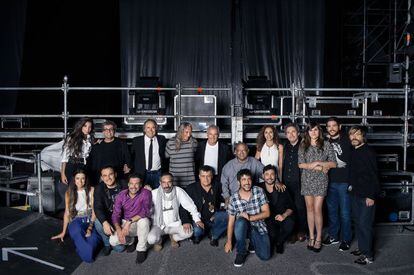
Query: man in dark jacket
point(213, 152)
point(104, 197)
point(111, 151)
point(148, 152)
point(206, 195)
point(364, 184)
point(280, 224)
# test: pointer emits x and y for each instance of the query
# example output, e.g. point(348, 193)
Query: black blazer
point(138, 153)
point(224, 155)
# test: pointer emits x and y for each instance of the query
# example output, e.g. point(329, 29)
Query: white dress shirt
point(156, 160)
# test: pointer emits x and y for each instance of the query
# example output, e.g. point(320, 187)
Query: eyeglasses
point(108, 130)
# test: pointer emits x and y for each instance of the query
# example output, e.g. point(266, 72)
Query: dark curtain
point(217, 43)
point(12, 28)
point(283, 40)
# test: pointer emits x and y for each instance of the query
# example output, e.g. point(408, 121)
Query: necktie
point(150, 157)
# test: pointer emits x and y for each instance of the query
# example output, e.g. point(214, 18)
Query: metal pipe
point(16, 191)
point(179, 105)
point(120, 89)
point(205, 89)
point(40, 184)
point(17, 159)
point(292, 91)
point(65, 87)
point(364, 43)
point(405, 137)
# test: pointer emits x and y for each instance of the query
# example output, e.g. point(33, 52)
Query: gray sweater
point(229, 182)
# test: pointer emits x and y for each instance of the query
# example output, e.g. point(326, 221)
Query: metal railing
point(37, 193)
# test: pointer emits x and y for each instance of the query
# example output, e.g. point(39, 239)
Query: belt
point(153, 171)
point(76, 160)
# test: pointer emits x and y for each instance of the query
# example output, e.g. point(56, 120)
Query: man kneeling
point(167, 200)
point(133, 207)
point(248, 208)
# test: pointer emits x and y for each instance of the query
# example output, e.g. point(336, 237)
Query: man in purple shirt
point(130, 217)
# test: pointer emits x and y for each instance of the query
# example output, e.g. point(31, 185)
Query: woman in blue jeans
point(79, 218)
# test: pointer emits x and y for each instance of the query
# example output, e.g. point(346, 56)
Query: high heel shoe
point(317, 249)
point(311, 243)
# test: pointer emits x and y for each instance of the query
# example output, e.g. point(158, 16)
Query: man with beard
point(167, 200)
point(104, 197)
point(338, 201)
point(111, 151)
point(248, 208)
point(291, 178)
point(131, 217)
point(365, 188)
point(229, 183)
point(280, 223)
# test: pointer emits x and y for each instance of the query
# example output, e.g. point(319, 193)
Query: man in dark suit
point(149, 154)
point(213, 152)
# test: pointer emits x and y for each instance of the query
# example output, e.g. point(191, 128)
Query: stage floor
point(23, 229)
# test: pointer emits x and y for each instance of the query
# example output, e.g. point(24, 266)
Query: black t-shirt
point(112, 193)
point(113, 154)
point(342, 147)
point(207, 209)
point(279, 202)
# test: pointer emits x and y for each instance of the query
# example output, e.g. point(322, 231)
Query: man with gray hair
point(167, 200)
point(229, 183)
point(212, 152)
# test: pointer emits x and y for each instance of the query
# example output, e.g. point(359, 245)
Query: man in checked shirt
point(248, 208)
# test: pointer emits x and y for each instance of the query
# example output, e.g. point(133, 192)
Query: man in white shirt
point(167, 200)
point(149, 154)
point(213, 152)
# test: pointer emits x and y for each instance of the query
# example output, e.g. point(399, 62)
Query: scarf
point(159, 213)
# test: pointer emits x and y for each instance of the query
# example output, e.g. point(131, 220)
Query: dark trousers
point(300, 207)
point(280, 231)
point(152, 178)
point(363, 217)
point(86, 247)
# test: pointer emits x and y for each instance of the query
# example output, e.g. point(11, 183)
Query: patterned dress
point(315, 183)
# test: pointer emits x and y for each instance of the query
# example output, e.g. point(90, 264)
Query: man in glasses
point(111, 151)
point(167, 200)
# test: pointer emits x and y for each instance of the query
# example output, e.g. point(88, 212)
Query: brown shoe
point(301, 237)
point(293, 239)
point(158, 246)
point(174, 243)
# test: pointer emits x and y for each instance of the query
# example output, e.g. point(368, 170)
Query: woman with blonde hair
point(269, 150)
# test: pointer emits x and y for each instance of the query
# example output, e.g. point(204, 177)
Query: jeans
point(105, 238)
point(339, 211)
point(364, 224)
point(86, 247)
point(217, 227)
point(153, 178)
point(261, 243)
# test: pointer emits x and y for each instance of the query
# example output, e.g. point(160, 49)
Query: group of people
point(129, 200)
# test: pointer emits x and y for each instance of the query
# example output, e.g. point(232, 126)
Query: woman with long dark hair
point(315, 158)
point(269, 150)
point(79, 217)
point(76, 149)
point(180, 150)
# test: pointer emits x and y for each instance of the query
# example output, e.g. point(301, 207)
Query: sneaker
point(196, 240)
point(280, 248)
point(251, 248)
point(141, 256)
point(344, 246)
point(131, 247)
point(356, 252)
point(363, 260)
point(106, 250)
point(240, 259)
point(214, 242)
point(330, 241)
